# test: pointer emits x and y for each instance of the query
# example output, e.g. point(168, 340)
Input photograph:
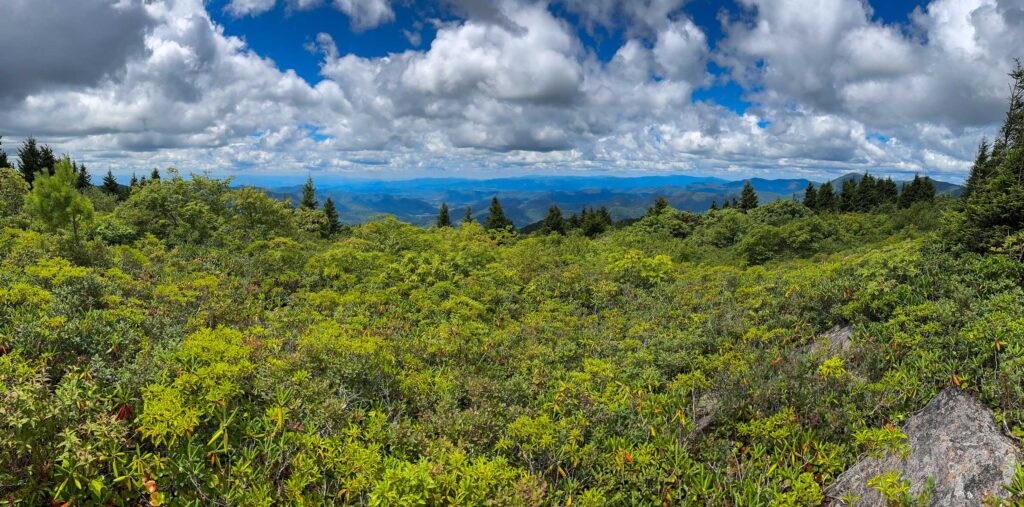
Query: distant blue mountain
point(526, 199)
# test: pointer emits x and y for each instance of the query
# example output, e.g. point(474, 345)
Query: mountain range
point(526, 199)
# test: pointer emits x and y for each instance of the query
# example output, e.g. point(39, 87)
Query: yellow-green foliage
point(207, 346)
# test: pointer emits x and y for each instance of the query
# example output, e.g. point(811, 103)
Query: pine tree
point(333, 220)
point(83, 178)
point(308, 200)
point(887, 191)
point(553, 223)
point(443, 218)
point(134, 182)
point(468, 217)
point(714, 205)
point(811, 196)
point(56, 203)
point(155, 175)
point(748, 197)
point(111, 184)
point(496, 219)
point(4, 162)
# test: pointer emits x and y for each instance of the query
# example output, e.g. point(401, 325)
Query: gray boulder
point(834, 342)
point(953, 440)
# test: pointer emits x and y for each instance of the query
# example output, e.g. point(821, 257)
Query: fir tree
point(333, 220)
point(110, 184)
point(443, 218)
point(308, 200)
point(811, 196)
point(134, 182)
point(848, 196)
point(979, 171)
point(155, 175)
point(468, 217)
point(496, 219)
point(748, 197)
point(660, 205)
point(826, 199)
point(553, 222)
point(4, 162)
point(714, 205)
point(35, 159)
point(83, 179)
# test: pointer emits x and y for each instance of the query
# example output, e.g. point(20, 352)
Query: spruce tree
point(714, 205)
point(110, 184)
point(553, 222)
point(748, 197)
point(155, 175)
point(134, 182)
point(848, 196)
point(32, 159)
point(443, 218)
point(333, 220)
point(826, 199)
point(308, 200)
point(496, 219)
point(4, 162)
point(811, 196)
point(468, 217)
point(979, 171)
point(83, 178)
point(660, 205)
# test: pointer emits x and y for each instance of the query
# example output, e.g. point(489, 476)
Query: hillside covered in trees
point(181, 342)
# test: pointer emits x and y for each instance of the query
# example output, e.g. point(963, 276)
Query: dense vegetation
point(182, 342)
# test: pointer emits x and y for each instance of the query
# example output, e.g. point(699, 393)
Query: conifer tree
point(4, 162)
point(714, 205)
point(553, 222)
point(660, 205)
point(333, 220)
point(496, 219)
point(748, 197)
point(443, 218)
point(811, 196)
point(155, 175)
point(979, 171)
point(848, 196)
point(725, 203)
point(308, 200)
point(826, 199)
point(83, 178)
point(468, 217)
point(56, 203)
point(35, 159)
point(134, 182)
point(110, 184)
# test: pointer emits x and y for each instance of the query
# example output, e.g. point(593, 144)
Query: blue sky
point(489, 88)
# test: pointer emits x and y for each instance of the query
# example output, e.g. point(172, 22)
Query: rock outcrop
point(834, 342)
point(953, 440)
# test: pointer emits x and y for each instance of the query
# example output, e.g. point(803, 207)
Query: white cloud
point(511, 87)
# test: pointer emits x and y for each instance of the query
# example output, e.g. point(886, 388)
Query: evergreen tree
point(134, 182)
point(468, 217)
point(443, 218)
point(155, 175)
point(826, 199)
point(887, 191)
point(496, 219)
point(725, 203)
point(714, 205)
point(553, 223)
point(308, 200)
point(35, 159)
point(55, 202)
point(593, 222)
point(660, 205)
point(866, 196)
point(848, 196)
point(83, 179)
point(811, 196)
point(735, 203)
point(110, 184)
point(748, 197)
point(979, 171)
point(333, 220)
point(4, 162)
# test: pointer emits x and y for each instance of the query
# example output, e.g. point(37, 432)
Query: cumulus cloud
point(49, 44)
point(509, 85)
